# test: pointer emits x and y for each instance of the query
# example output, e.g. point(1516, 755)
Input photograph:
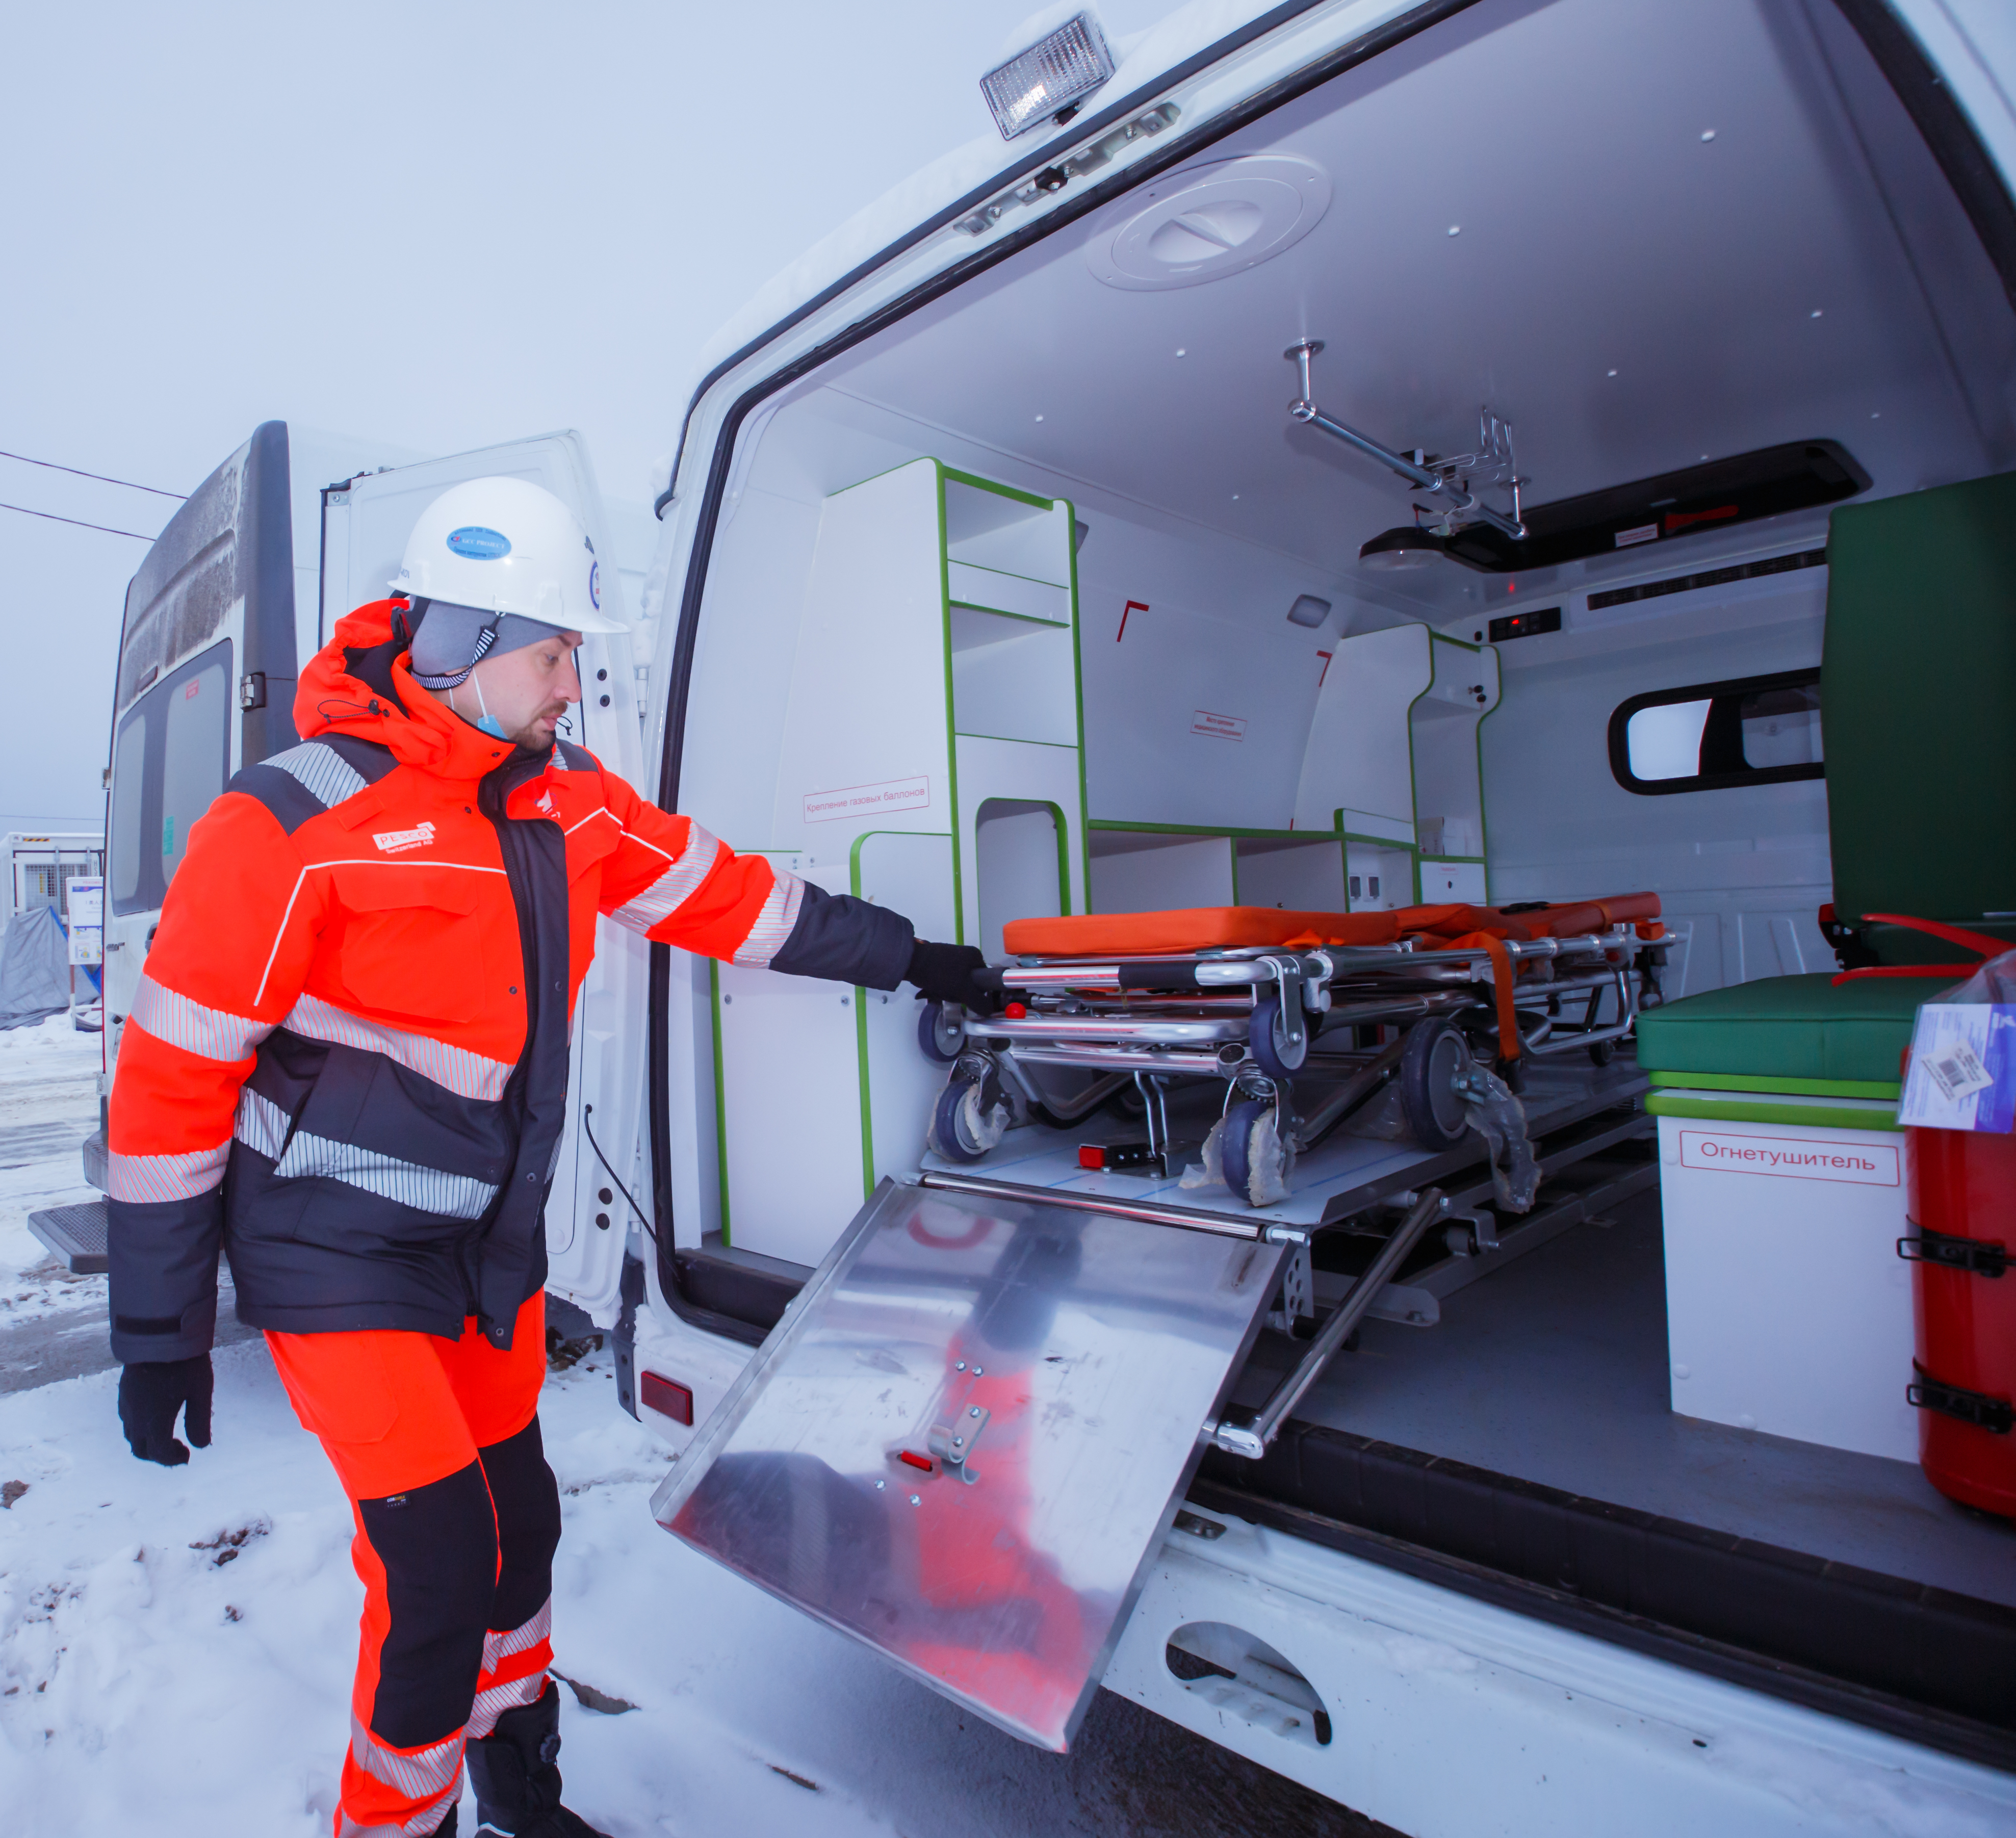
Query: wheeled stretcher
point(1034, 1328)
point(1304, 1017)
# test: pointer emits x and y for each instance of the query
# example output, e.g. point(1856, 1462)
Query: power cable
point(588, 1110)
point(78, 521)
point(102, 478)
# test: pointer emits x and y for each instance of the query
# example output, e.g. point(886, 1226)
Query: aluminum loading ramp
point(971, 1432)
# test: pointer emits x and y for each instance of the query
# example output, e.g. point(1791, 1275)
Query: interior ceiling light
point(1053, 75)
point(1392, 551)
point(1308, 610)
point(1208, 222)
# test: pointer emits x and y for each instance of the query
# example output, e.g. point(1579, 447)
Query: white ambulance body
point(994, 579)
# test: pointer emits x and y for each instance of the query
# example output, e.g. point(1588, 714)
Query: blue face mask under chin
point(486, 721)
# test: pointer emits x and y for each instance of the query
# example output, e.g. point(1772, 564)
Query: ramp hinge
point(1298, 1299)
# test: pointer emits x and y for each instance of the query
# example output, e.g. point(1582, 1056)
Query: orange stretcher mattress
point(1182, 930)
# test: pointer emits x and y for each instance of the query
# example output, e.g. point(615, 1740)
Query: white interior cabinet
point(1156, 870)
point(931, 762)
point(1389, 811)
point(1448, 786)
point(1303, 874)
point(1392, 762)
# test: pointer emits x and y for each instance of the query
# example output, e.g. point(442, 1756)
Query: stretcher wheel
point(940, 1039)
point(1604, 1051)
point(1436, 1054)
point(1236, 1145)
point(1271, 1051)
point(963, 1126)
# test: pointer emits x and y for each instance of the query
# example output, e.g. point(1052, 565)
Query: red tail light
point(666, 1398)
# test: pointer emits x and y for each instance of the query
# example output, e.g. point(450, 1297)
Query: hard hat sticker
point(478, 543)
point(595, 585)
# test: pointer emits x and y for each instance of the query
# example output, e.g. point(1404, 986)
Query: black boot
point(517, 1785)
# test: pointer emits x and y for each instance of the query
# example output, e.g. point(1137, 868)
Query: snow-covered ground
point(176, 1649)
point(176, 1644)
point(49, 1104)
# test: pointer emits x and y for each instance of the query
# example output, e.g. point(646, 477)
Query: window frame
point(1731, 687)
point(151, 886)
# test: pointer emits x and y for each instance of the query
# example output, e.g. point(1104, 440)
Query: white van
point(995, 579)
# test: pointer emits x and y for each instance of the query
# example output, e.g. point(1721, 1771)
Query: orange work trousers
point(436, 1443)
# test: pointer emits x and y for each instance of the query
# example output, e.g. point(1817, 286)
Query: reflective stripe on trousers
point(408, 1793)
point(436, 1442)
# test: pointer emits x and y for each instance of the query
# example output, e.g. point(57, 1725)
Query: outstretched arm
point(677, 884)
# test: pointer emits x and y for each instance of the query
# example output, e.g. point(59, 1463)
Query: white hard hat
point(506, 546)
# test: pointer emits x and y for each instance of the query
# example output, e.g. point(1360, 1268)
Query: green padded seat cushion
point(1788, 1027)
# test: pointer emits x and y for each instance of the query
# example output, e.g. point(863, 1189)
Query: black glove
point(946, 974)
point(151, 1392)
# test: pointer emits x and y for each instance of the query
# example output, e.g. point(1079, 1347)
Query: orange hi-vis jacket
point(346, 1062)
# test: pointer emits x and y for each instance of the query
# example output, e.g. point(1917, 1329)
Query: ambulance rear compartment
point(1038, 601)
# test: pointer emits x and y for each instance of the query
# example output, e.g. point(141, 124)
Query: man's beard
point(538, 733)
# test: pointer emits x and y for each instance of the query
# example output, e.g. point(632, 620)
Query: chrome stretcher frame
point(1249, 1016)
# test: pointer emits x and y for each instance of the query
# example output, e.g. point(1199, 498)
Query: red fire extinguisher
point(1963, 1199)
point(1962, 1202)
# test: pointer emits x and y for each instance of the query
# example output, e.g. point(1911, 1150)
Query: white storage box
point(1787, 1307)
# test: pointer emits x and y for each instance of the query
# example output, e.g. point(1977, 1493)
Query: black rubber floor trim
point(719, 1293)
point(1925, 1664)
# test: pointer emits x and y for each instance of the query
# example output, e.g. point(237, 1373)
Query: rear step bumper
point(1924, 1664)
point(77, 1234)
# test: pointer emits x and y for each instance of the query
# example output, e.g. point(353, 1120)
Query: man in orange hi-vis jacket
point(347, 1065)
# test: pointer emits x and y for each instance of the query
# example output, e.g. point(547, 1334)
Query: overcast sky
point(434, 224)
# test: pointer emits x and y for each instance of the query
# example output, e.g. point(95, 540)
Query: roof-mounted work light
point(1447, 479)
point(1051, 78)
point(1392, 550)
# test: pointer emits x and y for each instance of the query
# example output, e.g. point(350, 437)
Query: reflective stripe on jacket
point(348, 1059)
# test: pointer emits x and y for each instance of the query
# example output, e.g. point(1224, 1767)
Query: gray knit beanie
point(449, 641)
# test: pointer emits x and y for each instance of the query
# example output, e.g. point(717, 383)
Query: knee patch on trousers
point(527, 1499)
point(438, 1545)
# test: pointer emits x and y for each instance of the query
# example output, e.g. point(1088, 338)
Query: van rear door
point(365, 522)
point(205, 685)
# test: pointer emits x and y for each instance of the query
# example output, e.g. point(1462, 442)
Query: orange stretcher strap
point(1493, 946)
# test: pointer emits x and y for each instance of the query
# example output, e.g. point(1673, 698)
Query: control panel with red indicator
point(1115, 1155)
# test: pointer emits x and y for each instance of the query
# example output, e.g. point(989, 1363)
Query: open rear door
point(205, 685)
point(969, 1432)
point(366, 522)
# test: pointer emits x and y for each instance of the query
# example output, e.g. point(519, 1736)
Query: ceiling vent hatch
point(1208, 222)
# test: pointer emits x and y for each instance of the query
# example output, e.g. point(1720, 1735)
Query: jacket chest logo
point(392, 841)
